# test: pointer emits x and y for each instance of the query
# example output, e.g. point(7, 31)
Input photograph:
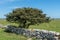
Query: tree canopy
point(27, 16)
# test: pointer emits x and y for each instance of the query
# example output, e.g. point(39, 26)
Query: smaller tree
point(27, 16)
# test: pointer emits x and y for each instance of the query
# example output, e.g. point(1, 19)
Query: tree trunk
point(22, 24)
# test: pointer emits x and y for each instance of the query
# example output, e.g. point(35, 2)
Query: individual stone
point(1, 26)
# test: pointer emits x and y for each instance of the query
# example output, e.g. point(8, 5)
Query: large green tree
point(27, 16)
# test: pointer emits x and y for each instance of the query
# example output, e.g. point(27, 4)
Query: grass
point(10, 36)
point(4, 22)
point(54, 25)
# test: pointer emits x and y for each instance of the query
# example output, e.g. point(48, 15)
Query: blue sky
point(49, 7)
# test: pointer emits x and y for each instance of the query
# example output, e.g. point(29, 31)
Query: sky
point(49, 7)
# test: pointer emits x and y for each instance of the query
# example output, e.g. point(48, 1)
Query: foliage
point(27, 16)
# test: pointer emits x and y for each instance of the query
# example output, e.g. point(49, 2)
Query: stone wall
point(37, 33)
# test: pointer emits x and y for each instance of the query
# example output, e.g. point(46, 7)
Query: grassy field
point(10, 36)
point(54, 25)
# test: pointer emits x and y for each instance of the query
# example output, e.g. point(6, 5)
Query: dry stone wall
point(37, 33)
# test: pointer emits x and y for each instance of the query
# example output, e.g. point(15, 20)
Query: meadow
point(9, 36)
point(54, 25)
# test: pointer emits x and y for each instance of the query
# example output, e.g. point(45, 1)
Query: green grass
point(54, 25)
point(10, 36)
point(4, 22)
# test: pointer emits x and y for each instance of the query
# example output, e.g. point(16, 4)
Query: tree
point(27, 16)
